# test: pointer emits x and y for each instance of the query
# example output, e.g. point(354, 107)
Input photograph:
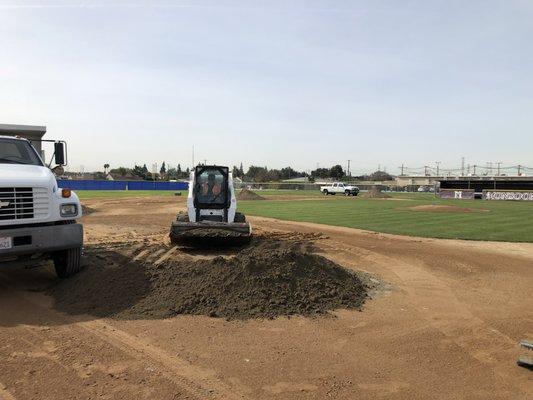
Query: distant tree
point(380, 176)
point(289, 173)
point(321, 173)
point(120, 171)
point(106, 167)
point(99, 175)
point(273, 175)
point(172, 173)
point(257, 174)
point(141, 172)
point(336, 172)
point(179, 171)
point(241, 171)
point(163, 169)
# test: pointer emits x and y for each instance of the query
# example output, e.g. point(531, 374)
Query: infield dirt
point(445, 325)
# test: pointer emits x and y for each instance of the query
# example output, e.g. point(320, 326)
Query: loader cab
point(211, 191)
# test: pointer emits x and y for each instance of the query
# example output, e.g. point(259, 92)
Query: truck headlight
point(68, 210)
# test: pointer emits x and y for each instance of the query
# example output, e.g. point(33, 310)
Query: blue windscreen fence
point(120, 185)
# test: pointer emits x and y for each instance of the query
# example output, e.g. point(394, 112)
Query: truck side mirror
point(59, 153)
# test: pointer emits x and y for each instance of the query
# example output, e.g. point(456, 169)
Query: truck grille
point(23, 203)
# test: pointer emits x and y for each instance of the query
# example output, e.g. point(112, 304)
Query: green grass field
point(109, 194)
point(504, 221)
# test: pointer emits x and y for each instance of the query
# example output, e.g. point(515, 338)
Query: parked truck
point(37, 218)
point(340, 188)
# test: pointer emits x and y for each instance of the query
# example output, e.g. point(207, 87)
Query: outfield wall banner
point(515, 195)
point(461, 194)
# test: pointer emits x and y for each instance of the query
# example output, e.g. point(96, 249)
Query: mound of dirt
point(446, 209)
point(246, 194)
point(262, 281)
point(375, 193)
point(87, 210)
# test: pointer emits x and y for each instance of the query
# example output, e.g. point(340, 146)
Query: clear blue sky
point(273, 83)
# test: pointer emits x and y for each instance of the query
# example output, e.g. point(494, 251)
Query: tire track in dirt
point(206, 384)
point(487, 345)
point(435, 301)
point(4, 393)
point(199, 383)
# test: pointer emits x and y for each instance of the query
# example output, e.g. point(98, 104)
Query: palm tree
point(106, 166)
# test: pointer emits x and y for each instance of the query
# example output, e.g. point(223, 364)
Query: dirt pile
point(265, 280)
point(247, 194)
point(87, 210)
point(375, 193)
point(446, 209)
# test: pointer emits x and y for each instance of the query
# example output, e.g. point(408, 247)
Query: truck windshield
point(13, 151)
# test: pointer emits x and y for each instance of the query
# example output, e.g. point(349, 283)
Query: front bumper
point(42, 239)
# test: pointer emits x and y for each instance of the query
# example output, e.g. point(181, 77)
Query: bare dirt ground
point(447, 327)
point(445, 209)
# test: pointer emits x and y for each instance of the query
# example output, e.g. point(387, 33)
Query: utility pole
point(475, 169)
point(379, 167)
point(438, 163)
point(489, 168)
point(499, 164)
point(349, 168)
point(402, 167)
point(519, 168)
point(468, 169)
point(462, 166)
point(205, 161)
point(425, 170)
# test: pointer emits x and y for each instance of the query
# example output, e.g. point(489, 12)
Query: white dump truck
point(37, 218)
point(340, 188)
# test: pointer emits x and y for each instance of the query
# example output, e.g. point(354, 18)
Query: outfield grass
point(99, 194)
point(505, 221)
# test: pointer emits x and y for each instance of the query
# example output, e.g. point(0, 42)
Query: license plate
point(6, 243)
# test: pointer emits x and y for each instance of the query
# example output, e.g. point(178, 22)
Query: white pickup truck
point(341, 188)
point(37, 218)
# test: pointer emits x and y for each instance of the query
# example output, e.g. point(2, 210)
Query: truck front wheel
point(67, 262)
point(325, 191)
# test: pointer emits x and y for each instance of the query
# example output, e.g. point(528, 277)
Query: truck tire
point(182, 217)
point(67, 262)
point(325, 191)
point(346, 192)
point(239, 218)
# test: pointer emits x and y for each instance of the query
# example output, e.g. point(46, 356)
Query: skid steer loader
point(211, 215)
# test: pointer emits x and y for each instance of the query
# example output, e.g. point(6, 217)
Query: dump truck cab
point(37, 217)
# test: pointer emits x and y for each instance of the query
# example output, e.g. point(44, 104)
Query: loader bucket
point(210, 233)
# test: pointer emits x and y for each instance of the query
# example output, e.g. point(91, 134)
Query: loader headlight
point(68, 210)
